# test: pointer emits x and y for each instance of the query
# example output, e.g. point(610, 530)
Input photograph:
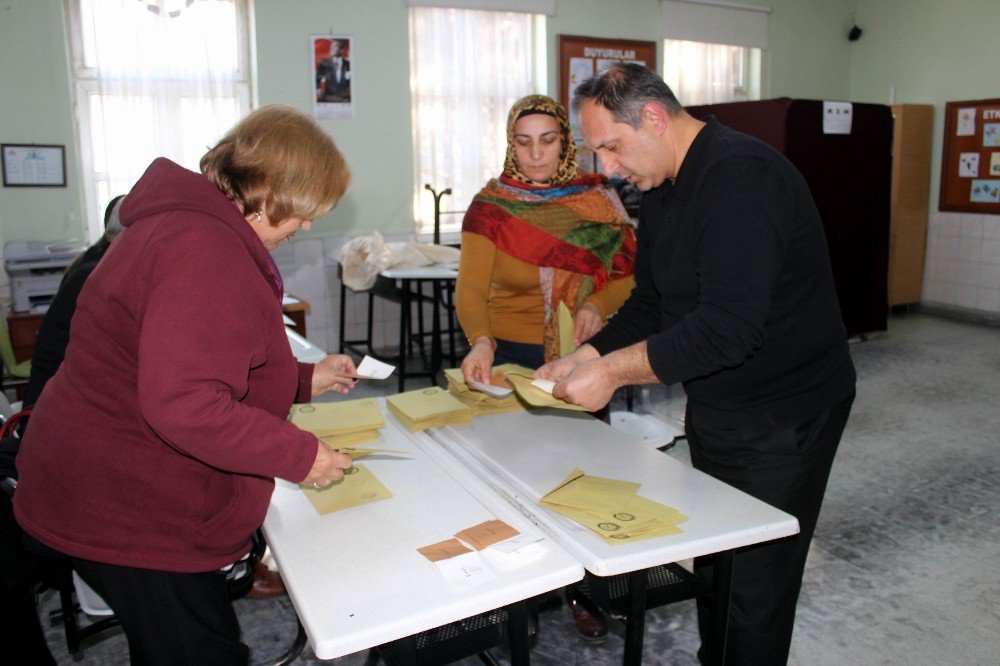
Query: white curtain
point(467, 68)
point(154, 78)
point(701, 73)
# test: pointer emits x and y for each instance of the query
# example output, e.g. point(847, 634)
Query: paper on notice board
point(837, 117)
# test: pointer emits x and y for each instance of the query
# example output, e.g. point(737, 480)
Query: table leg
point(293, 652)
point(517, 627)
point(436, 353)
point(343, 313)
point(635, 624)
point(404, 332)
point(722, 583)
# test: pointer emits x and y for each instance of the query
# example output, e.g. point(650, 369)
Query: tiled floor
point(905, 566)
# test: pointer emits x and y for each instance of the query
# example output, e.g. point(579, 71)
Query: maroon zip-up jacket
point(156, 443)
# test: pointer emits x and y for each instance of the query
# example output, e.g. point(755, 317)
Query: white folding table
point(355, 576)
point(524, 455)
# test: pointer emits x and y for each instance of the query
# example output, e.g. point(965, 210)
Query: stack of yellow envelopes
point(340, 423)
point(429, 408)
point(482, 403)
point(612, 509)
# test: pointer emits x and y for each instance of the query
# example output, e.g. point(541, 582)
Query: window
point(141, 95)
point(712, 51)
point(467, 67)
point(701, 73)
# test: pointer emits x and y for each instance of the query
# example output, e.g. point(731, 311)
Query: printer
point(36, 268)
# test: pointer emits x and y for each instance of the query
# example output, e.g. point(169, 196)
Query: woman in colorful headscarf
point(541, 234)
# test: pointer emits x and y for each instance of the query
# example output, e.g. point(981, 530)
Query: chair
point(19, 371)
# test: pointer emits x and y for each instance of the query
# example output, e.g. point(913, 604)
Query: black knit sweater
point(734, 290)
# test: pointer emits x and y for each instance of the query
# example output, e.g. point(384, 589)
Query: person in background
point(152, 452)
point(53, 334)
point(734, 298)
point(541, 234)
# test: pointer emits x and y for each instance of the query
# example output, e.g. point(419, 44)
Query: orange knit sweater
point(498, 296)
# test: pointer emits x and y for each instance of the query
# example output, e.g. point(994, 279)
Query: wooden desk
point(355, 577)
point(297, 312)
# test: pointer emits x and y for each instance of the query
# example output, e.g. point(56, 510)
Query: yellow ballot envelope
point(483, 403)
point(337, 419)
point(565, 320)
point(358, 486)
point(428, 408)
point(536, 397)
point(611, 508)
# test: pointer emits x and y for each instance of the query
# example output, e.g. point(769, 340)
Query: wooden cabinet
point(911, 182)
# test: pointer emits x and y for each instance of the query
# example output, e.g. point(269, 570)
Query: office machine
point(36, 268)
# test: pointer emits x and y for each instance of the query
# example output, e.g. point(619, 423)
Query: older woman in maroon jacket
point(152, 453)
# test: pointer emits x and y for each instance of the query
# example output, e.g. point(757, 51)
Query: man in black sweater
point(734, 298)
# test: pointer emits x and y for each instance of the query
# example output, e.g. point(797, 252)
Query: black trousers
point(170, 618)
point(786, 466)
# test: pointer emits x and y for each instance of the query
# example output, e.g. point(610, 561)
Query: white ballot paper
point(489, 389)
point(544, 384)
point(515, 552)
point(371, 368)
point(466, 570)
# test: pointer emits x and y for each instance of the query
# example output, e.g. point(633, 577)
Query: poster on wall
point(970, 161)
point(333, 83)
point(583, 57)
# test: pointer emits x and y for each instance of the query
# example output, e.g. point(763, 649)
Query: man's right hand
point(558, 369)
point(328, 467)
point(478, 363)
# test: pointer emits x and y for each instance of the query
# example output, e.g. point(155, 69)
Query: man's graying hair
point(623, 89)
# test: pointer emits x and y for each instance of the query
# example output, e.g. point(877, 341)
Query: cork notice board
point(970, 161)
point(583, 57)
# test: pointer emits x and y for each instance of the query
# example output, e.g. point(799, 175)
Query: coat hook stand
point(437, 210)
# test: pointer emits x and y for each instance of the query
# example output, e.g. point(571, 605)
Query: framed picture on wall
point(32, 165)
point(332, 76)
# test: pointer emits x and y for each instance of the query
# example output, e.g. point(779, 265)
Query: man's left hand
point(588, 385)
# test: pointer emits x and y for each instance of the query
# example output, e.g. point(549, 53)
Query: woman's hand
point(328, 467)
point(334, 373)
point(586, 322)
point(478, 363)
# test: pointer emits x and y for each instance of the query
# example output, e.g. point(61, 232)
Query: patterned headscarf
point(567, 170)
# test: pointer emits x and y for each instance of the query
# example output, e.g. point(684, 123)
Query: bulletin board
point(970, 161)
point(583, 57)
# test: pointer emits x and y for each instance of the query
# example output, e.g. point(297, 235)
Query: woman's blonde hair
point(278, 160)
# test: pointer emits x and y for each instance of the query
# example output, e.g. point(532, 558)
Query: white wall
point(808, 57)
point(935, 52)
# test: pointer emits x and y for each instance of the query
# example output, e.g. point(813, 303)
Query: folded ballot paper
point(612, 509)
point(340, 423)
point(462, 558)
point(479, 398)
point(428, 408)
